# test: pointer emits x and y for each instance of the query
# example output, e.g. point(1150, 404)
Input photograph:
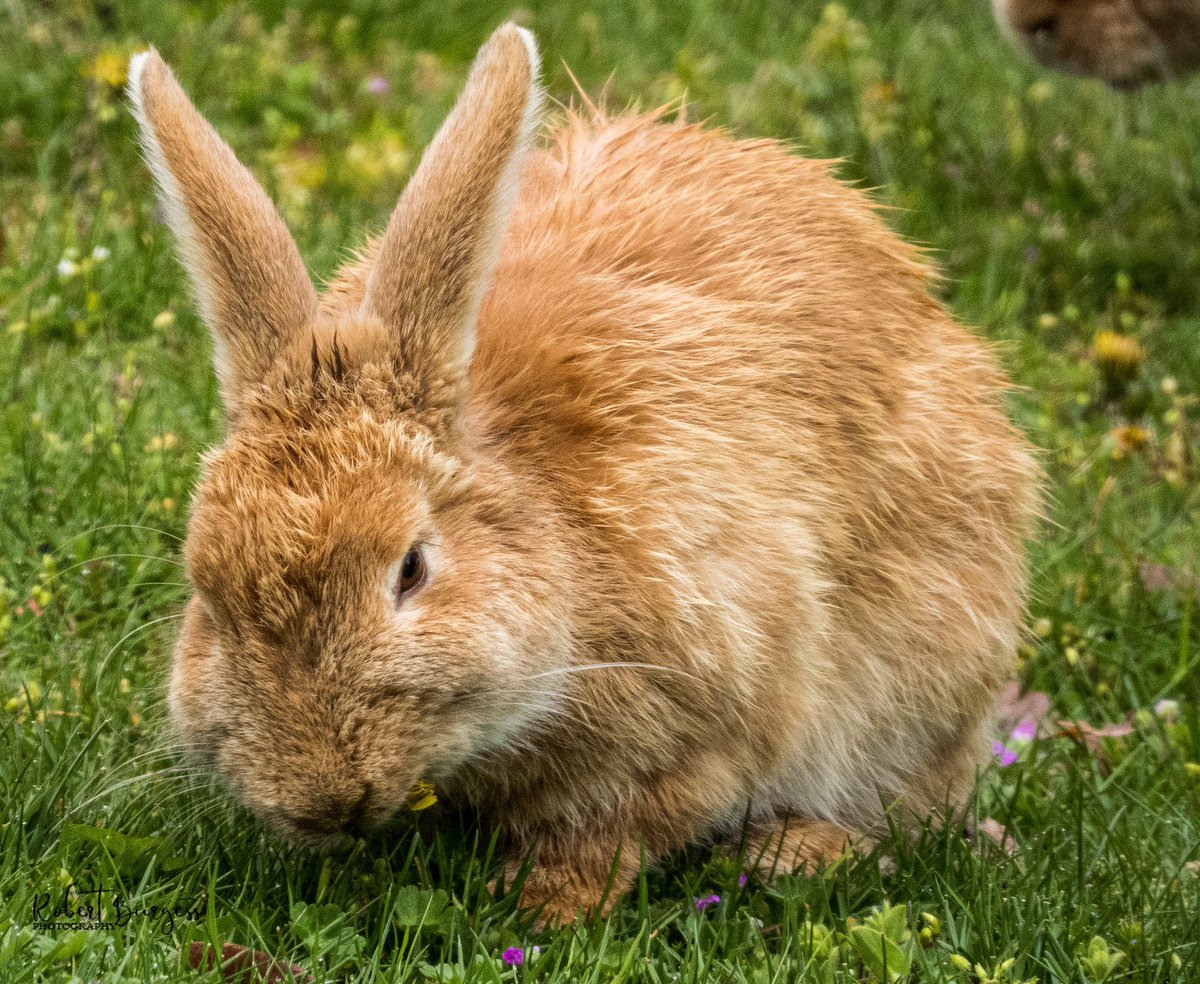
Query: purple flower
point(1004, 755)
point(514, 956)
point(705, 901)
point(377, 85)
point(1026, 730)
point(742, 879)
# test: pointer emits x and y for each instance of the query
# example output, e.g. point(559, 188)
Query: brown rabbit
point(625, 489)
point(1127, 43)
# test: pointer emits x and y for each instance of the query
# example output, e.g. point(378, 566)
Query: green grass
point(1057, 209)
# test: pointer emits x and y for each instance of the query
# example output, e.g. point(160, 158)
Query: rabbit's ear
point(435, 261)
point(250, 284)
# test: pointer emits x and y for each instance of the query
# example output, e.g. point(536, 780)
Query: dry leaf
point(242, 965)
point(996, 831)
point(1089, 737)
point(1164, 577)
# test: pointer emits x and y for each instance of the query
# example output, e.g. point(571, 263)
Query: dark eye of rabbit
point(1043, 31)
point(412, 573)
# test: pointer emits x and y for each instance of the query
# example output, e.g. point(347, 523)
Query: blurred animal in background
point(1126, 43)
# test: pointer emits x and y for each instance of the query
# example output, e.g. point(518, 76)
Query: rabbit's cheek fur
point(303, 676)
point(194, 686)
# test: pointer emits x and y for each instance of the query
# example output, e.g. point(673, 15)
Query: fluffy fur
point(722, 514)
point(1127, 43)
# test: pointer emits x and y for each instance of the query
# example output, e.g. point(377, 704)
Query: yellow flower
point(1119, 357)
point(27, 696)
point(1128, 440)
point(1039, 92)
point(422, 796)
point(373, 159)
point(109, 67)
point(298, 173)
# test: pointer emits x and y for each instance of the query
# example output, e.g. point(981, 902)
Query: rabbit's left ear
point(434, 263)
point(249, 281)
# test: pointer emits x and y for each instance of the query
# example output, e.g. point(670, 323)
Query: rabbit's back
point(731, 377)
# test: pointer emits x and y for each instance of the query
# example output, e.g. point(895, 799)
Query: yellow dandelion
point(1119, 357)
point(1128, 440)
point(422, 796)
point(110, 68)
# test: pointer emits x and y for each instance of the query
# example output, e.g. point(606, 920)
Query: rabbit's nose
point(334, 812)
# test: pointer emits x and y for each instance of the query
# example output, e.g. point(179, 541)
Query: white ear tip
point(531, 45)
point(137, 65)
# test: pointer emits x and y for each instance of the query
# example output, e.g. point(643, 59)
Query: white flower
point(67, 268)
point(1168, 710)
point(100, 254)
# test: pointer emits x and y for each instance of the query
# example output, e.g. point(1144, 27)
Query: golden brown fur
point(725, 520)
point(1126, 43)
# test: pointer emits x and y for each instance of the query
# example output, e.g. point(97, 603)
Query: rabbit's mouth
point(329, 822)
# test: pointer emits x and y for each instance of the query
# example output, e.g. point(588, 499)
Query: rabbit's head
point(1127, 43)
point(363, 588)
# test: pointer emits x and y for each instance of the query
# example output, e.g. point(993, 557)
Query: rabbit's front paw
point(798, 845)
point(571, 881)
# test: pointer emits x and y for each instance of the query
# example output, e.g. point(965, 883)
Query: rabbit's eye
point(412, 573)
point(1042, 33)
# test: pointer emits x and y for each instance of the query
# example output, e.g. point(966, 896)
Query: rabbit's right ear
point(435, 261)
point(250, 284)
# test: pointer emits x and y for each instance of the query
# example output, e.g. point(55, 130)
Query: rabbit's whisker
point(143, 777)
point(129, 635)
